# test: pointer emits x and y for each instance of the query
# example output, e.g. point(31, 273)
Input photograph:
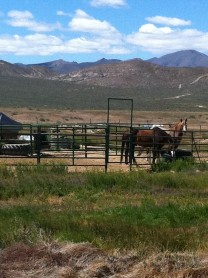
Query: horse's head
point(176, 131)
point(183, 125)
point(180, 126)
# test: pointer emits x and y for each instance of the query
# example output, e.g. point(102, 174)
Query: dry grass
point(84, 260)
point(46, 116)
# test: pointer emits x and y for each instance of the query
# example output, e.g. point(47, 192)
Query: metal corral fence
point(82, 146)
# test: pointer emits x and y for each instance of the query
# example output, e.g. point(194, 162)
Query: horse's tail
point(123, 140)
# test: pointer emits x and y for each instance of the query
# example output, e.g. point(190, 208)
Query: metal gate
point(115, 130)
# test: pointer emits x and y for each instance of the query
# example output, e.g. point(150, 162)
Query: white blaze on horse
point(176, 132)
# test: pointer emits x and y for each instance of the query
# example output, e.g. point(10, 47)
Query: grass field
point(163, 211)
point(160, 216)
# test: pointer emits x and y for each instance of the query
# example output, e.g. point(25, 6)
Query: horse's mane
point(160, 126)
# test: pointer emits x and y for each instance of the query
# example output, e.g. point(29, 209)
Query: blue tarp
point(8, 124)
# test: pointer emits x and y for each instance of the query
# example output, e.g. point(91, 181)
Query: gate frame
point(120, 99)
point(110, 99)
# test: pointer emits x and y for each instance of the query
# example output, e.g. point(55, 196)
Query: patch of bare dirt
point(64, 116)
point(83, 260)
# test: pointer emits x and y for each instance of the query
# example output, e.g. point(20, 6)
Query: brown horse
point(176, 132)
point(152, 139)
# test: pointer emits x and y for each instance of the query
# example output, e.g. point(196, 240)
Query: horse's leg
point(153, 159)
point(123, 144)
point(149, 156)
point(132, 145)
point(122, 148)
point(140, 150)
point(148, 153)
point(127, 153)
point(155, 156)
point(158, 154)
point(133, 156)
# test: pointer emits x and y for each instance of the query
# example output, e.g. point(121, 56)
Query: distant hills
point(135, 74)
point(184, 58)
point(61, 66)
point(15, 70)
point(174, 70)
point(174, 81)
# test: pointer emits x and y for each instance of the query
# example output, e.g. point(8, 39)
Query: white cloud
point(152, 29)
point(36, 44)
point(98, 45)
point(170, 21)
point(45, 45)
point(82, 22)
point(62, 13)
point(87, 34)
point(165, 40)
point(111, 3)
point(25, 19)
point(97, 36)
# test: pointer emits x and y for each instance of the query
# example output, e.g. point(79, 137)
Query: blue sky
point(36, 31)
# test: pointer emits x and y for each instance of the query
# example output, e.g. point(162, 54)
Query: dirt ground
point(46, 116)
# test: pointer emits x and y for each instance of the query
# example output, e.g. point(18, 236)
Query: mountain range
point(158, 83)
point(184, 58)
point(60, 66)
point(176, 70)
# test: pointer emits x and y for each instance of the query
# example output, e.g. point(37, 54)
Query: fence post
point(38, 144)
point(131, 147)
point(116, 139)
point(85, 140)
point(192, 141)
point(107, 140)
point(57, 138)
point(154, 153)
point(31, 140)
point(73, 146)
